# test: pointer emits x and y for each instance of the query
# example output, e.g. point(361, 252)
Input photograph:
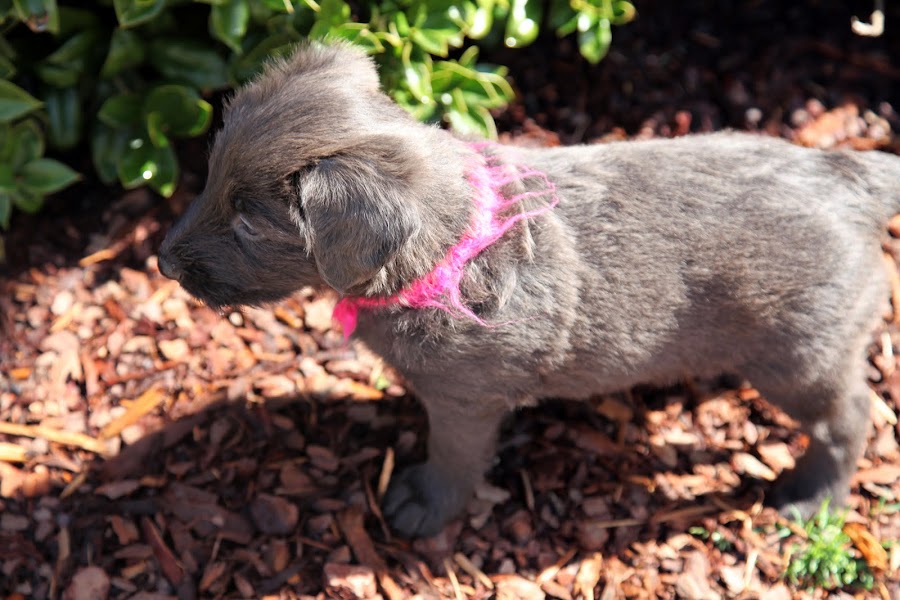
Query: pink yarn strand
point(440, 289)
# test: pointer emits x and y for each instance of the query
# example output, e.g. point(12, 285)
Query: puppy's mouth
point(225, 298)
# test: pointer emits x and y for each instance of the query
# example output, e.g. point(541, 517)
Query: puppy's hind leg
point(834, 412)
point(462, 440)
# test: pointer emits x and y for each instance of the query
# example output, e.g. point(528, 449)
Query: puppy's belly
point(585, 378)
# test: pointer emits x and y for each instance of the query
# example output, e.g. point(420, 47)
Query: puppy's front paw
point(803, 491)
point(420, 501)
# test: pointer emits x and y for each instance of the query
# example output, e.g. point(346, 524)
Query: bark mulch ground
point(151, 448)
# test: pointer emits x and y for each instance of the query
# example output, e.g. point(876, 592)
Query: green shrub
point(130, 76)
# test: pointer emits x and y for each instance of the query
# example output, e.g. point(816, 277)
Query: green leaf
point(468, 58)
point(72, 20)
point(27, 200)
point(523, 24)
point(190, 62)
point(622, 12)
point(436, 26)
point(39, 15)
point(27, 143)
point(467, 123)
point(7, 68)
point(359, 34)
point(65, 116)
point(594, 42)
point(249, 63)
point(66, 66)
point(123, 110)
point(166, 177)
point(7, 177)
point(489, 86)
point(46, 176)
point(15, 102)
point(6, 49)
point(126, 51)
point(107, 147)
point(432, 41)
point(134, 12)
point(228, 22)
point(5, 213)
point(155, 129)
point(143, 163)
point(402, 24)
point(482, 20)
point(7, 144)
point(417, 75)
point(332, 13)
point(180, 111)
point(134, 165)
point(278, 5)
point(419, 111)
point(562, 17)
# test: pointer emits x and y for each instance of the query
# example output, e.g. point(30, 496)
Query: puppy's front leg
point(462, 439)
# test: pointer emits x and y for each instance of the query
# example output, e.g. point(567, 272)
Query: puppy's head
point(313, 180)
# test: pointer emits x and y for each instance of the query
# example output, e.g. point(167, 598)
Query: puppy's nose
point(168, 268)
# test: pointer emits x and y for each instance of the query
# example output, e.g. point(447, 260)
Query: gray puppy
point(701, 255)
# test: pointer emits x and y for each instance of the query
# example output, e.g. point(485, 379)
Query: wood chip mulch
point(151, 448)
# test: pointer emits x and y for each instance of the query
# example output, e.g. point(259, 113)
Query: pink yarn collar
point(441, 287)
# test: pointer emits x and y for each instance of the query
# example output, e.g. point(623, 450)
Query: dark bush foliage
point(128, 77)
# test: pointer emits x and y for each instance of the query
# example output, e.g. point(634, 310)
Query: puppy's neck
point(501, 195)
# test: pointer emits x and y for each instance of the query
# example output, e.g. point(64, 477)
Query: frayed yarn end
point(440, 288)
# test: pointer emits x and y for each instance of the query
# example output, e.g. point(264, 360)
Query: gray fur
point(665, 258)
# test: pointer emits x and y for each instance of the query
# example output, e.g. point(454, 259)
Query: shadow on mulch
point(263, 488)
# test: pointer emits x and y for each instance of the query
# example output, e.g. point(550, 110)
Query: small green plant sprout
point(827, 559)
point(718, 540)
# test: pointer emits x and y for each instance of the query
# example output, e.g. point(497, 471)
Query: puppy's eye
point(244, 227)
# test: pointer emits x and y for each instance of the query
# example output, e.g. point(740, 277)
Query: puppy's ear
point(359, 209)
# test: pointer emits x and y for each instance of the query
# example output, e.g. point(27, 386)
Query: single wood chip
point(212, 574)
point(454, 581)
point(874, 553)
point(387, 469)
point(894, 276)
point(117, 489)
point(147, 402)
point(752, 466)
point(885, 474)
point(89, 583)
point(73, 485)
point(67, 438)
point(551, 571)
point(688, 512)
point(97, 257)
point(12, 452)
point(588, 576)
point(350, 522)
point(882, 409)
point(168, 564)
point(474, 572)
point(21, 373)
